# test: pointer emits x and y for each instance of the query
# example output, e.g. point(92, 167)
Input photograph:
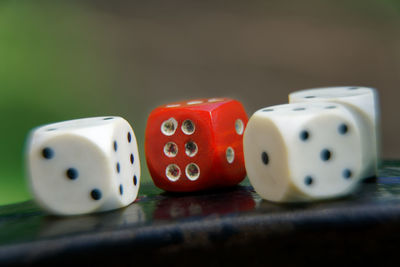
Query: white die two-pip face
point(365, 99)
point(83, 166)
point(298, 152)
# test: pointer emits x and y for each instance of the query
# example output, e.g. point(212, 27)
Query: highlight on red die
point(196, 145)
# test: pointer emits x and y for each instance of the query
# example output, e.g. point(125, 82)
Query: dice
point(196, 145)
point(306, 151)
point(363, 100)
point(83, 166)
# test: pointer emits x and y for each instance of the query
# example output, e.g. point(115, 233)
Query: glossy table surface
point(214, 227)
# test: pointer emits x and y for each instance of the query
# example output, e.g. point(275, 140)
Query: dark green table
point(225, 227)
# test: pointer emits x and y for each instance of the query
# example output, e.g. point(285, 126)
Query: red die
point(196, 145)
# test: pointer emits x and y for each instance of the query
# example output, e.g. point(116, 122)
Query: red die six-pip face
point(196, 145)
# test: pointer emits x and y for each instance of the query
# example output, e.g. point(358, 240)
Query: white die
point(305, 151)
point(361, 99)
point(83, 166)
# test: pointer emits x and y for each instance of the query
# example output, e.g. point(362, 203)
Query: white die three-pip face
point(83, 166)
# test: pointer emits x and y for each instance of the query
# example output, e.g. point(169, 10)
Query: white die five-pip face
point(363, 100)
point(298, 152)
point(83, 166)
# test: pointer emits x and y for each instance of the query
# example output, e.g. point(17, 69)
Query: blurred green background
point(61, 60)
